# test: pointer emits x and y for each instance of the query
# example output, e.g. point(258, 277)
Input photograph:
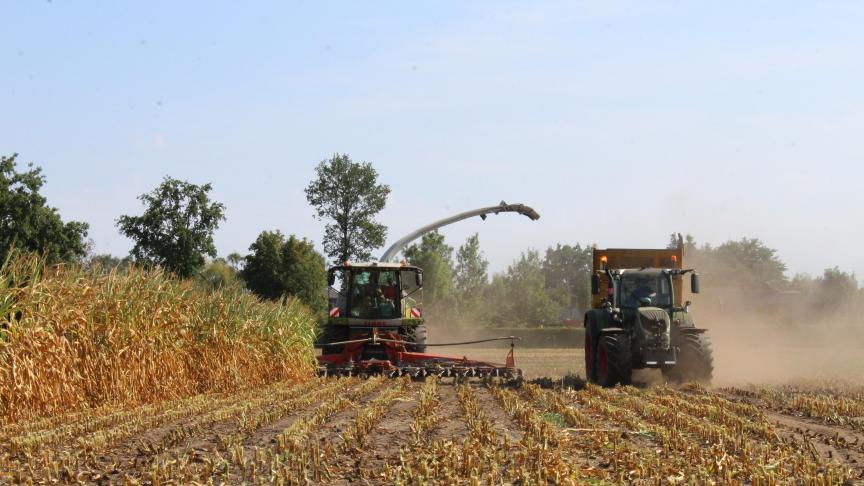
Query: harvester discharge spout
point(522, 209)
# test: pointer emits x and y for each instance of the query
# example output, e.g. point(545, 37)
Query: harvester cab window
point(637, 290)
point(375, 294)
point(411, 293)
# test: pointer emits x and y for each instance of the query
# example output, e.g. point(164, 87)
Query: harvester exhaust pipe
point(522, 209)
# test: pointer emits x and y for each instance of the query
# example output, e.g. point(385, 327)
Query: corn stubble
point(321, 431)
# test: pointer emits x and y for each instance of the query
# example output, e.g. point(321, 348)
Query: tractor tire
point(333, 334)
point(613, 360)
point(590, 352)
point(414, 337)
point(695, 360)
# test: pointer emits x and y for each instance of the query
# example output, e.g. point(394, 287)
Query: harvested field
point(379, 431)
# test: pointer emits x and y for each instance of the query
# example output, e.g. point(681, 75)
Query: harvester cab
point(639, 318)
point(384, 297)
point(376, 325)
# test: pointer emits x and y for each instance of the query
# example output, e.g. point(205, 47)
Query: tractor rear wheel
point(333, 334)
point(695, 360)
point(613, 360)
point(414, 337)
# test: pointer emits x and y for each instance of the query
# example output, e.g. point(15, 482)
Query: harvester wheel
point(415, 338)
point(614, 360)
point(695, 360)
point(333, 334)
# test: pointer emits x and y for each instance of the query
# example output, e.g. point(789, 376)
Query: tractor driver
point(644, 290)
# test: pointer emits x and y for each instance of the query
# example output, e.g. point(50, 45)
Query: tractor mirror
point(331, 279)
point(595, 284)
point(694, 283)
point(418, 277)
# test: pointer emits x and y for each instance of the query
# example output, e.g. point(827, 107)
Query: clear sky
point(620, 122)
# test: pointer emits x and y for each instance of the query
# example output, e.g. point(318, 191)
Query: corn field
point(73, 340)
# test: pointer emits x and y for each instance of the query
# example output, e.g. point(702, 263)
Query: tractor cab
point(630, 289)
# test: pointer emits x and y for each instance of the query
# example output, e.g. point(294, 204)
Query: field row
point(379, 431)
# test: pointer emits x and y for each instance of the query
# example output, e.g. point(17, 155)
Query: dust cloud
point(769, 342)
point(758, 340)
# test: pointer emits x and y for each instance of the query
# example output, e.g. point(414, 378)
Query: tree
point(527, 298)
point(567, 272)
point(28, 223)
point(753, 260)
point(837, 289)
point(747, 262)
point(348, 194)
point(176, 229)
point(217, 274)
point(435, 257)
point(234, 260)
point(277, 267)
point(471, 272)
point(107, 262)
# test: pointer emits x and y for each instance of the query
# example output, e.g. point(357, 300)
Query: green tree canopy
point(567, 272)
point(348, 195)
point(472, 270)
point(527, 300)
point(435, 257)
point(736, 263)
point(277, 267)
point(28, 223)
point(107, 262)
point(760, 261)
point(217, 274)
point(836, 288)
point(176, 229)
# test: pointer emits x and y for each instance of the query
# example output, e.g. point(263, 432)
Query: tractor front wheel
point(613, 360)
point(414, 337)
point(695, 360)
point(590, 363)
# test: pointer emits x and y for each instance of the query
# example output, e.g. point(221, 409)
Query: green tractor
point(639, 320)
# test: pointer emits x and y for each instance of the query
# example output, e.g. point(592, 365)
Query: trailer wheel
point(695, 360)
point(614, 360)
point(333, 334)
point(414, 337)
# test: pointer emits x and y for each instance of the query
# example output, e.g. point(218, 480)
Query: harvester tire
point(415, 338)
point(695, 360)
point(613, 360)
point(333, 334)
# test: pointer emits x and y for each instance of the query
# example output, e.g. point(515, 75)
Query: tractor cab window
point(637, 290)
point(375, 294)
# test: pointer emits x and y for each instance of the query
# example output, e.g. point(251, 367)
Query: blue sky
point(620, 122)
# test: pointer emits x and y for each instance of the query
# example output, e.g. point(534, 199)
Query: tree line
point(175, 231)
